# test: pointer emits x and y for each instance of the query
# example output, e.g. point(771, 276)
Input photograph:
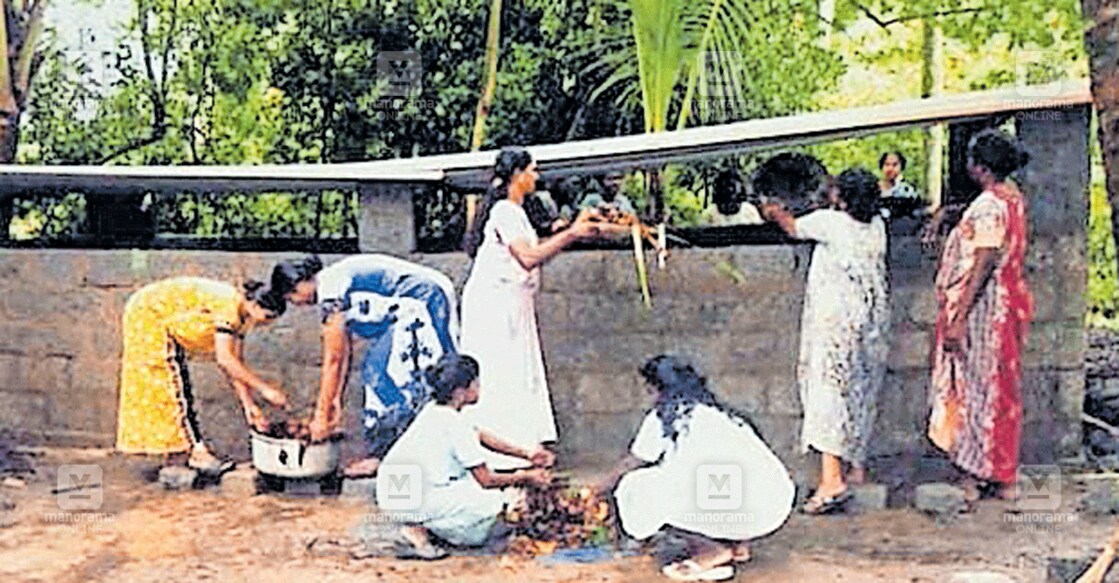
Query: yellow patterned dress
point(164, 323)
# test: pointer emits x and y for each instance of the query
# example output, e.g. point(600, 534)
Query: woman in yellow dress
point(167, 322)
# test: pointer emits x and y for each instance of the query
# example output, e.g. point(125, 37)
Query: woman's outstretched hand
point(542, 457)
point(255, 417)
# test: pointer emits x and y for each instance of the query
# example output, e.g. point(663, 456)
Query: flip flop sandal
point(820, 506)
point(690, 570)
point(404, 549)
point(213, 469)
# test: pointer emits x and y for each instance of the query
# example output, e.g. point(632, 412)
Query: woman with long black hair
point(499, 307)
point(698, 468)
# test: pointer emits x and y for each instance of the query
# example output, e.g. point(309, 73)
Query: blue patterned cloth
point(407, 315)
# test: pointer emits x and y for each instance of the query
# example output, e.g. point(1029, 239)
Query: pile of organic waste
point(559, 516)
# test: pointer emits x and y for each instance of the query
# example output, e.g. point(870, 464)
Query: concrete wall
point(735, 311)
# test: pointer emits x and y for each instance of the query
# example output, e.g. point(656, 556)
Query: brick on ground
point(940, 499)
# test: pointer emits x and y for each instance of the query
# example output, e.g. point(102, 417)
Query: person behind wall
point(893, 184)
point(729, 205)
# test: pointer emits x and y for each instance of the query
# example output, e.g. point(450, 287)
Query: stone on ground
point(177, 477)
point(1101, 497)
point(867, 497)
point(241, 482)
point(940, 499)
point(1064, 570)
point(359, 488)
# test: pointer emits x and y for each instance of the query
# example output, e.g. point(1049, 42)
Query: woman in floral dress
point(844, 331)
point(167, 322)
point(984, 312)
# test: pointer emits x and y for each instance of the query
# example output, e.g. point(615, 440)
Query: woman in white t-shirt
point(499, 306)
point(698, 468)
point(460, 498)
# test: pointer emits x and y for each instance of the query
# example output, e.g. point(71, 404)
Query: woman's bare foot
point(742, 552)
point(203, 460)
point(972, 491)
point(857, 476)
point(363, 468)
point(414, 543)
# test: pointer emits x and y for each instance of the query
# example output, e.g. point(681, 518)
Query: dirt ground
point(143, 533)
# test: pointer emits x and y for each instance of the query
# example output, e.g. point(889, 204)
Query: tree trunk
point(493, 45)
point(1102, 40)
point(932, 83)
point(9, 137)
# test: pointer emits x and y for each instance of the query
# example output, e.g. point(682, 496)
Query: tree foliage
point(283, 81)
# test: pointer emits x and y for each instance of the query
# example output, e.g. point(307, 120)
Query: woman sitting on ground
point(461, 497)
point(661, 482)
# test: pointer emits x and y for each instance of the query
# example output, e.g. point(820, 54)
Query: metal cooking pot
point(294, 458)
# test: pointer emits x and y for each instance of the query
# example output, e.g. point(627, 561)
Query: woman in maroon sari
point(984, 310)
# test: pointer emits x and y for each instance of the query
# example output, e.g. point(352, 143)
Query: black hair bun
point(312, 264)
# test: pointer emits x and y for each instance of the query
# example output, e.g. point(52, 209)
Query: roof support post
point(387, 221)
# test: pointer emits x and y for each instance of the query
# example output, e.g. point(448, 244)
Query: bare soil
point(144, 533)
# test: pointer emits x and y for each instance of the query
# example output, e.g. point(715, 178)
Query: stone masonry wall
point(735, 311)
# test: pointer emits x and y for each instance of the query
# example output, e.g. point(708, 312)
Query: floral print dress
point(165, 323)
point(976, 394)
point(844, 332)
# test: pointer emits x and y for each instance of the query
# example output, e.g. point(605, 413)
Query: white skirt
point(499, 330)
point(653, 497)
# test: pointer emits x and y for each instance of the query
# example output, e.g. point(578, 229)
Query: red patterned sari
point(976, 393)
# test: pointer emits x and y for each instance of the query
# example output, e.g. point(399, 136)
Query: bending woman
point(407, 316)
point(657, 486)
point(499, 308)
point(167, 322)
